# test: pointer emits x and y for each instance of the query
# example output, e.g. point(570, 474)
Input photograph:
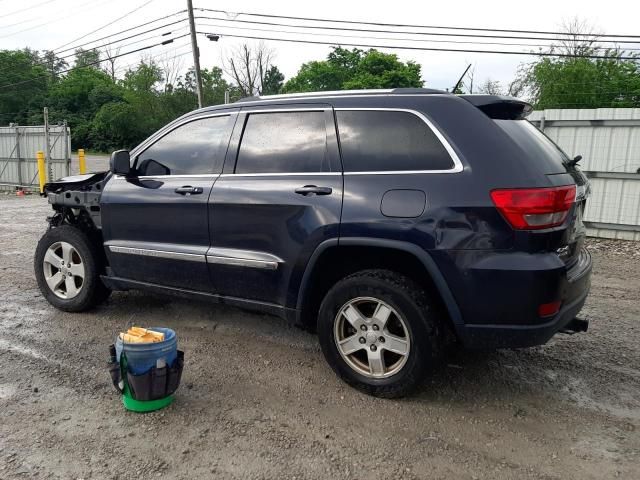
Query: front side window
point(379, 141)
point(283, 142)
point(197, 147)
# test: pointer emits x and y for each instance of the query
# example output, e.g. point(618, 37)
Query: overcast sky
point(53, 23)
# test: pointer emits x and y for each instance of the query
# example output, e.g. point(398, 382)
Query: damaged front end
point(76, 200)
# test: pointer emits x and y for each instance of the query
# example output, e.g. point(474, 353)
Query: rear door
point(279, 197)
point(155, 222)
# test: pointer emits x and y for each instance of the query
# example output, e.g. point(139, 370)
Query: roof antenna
point(455, 87)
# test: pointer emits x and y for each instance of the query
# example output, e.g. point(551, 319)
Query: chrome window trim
point(285, 110)
point(145, 252)
point(180, 122)
point(271, 174)
point(287, 174)
point(457, 164)
point(147, 177)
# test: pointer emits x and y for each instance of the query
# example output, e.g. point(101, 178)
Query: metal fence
point(18, 147)
point(609, 141)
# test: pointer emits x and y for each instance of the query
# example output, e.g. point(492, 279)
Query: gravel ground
point(258, 401)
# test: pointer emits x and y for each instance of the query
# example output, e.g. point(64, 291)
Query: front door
point(279, 197)
point(155, 221)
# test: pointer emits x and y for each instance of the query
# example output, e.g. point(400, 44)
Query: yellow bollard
point(42, 173)
point(81, 160)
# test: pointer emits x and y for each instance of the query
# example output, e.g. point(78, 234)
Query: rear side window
point(385, 141)
point(537, 145)
point(283, 142)
point(197, 147)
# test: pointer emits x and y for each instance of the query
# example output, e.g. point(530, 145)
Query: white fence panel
point(609, 141)
point(18, 148)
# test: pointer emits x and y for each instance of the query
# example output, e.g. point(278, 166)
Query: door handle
point(311, 189)
point(188, 190)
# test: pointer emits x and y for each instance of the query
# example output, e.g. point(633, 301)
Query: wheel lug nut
point(381, 339)
point(373, 348)
point(362, 340)
point(375, 327)
point(363, 327)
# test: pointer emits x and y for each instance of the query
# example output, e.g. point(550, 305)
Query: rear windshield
point(536, 144)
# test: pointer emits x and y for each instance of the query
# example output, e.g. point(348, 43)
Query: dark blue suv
point(391, 221)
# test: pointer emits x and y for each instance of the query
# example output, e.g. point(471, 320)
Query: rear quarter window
point(537, 145)
point(382, 141)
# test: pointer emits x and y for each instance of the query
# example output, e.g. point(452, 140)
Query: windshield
point(536, 144)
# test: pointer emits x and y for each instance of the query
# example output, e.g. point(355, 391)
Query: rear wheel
point(379, 332)
point(68, 267)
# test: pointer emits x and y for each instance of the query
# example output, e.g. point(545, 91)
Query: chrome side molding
point(243, 258)
point(214, 255)
point(145, 252)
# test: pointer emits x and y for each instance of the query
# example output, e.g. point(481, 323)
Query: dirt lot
point(258, 401)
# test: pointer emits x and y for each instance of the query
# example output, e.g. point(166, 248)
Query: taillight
point(549, 309)
point(534, 208)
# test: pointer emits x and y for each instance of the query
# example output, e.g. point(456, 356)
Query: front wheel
point(379, 332)
point(68, 267)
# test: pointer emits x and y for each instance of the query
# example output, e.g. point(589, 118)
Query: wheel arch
point(307, 293)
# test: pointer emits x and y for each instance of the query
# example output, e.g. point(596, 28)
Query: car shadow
point(465, 377)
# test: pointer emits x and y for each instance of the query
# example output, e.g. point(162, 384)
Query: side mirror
point(120, 163)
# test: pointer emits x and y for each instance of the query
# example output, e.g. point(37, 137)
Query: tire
point(411, 318)
point(83, 266)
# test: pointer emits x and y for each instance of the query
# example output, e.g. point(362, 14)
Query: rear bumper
point(574, 288)
point(518, 336)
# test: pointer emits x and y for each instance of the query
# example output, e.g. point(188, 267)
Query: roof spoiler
point(500, 107)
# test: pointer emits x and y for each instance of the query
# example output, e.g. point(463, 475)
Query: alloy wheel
point(372, 337)
point(64, 270)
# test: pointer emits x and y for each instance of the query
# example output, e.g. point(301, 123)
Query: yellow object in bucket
point(141, 335)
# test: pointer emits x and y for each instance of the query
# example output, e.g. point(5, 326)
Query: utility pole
point(196, 52)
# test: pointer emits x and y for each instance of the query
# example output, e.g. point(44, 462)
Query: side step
point(576, 325)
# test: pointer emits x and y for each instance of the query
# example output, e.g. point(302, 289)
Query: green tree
point(583, 82)
point(116, 125)
point(355, 69)
point(23, 85)
point(87, 58)
point(142, 91)
point(53, 63)
point(77, 97)
point(272, 81)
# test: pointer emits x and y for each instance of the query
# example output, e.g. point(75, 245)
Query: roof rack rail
point(379, 91)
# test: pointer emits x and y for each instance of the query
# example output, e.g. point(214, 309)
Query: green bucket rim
point(145, 406)
point(139, 406)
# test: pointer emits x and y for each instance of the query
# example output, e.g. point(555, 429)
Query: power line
point(371, 30)
point(108, 24)
point(173, 53)
point(385, 38)
point(124, 38)
point(47, 64)
point(401, 25)
point(429, 49)
point(166, 42)
point(120, 46)
point(64, 17)
point(26, 8)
